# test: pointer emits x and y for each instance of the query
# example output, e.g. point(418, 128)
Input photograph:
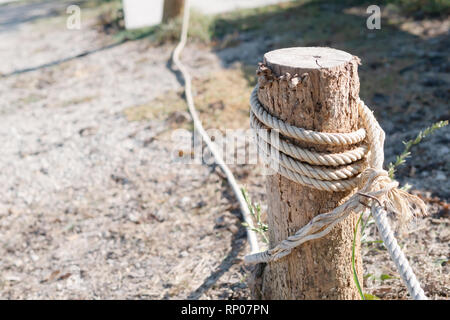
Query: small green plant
point(401, 159)
point(355, 275)
point(364, 224)
point(255, 211)
point(368, 296)
point(386, 277)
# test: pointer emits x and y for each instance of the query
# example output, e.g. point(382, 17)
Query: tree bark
point(172, 9)
point(322, 97)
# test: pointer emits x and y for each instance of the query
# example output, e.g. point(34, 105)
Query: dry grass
point(158, 108)
point(221, 99)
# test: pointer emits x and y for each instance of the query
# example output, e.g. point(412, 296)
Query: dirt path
point(91, 206)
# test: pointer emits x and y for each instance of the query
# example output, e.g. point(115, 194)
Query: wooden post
point(172, 9)
point(324, 99)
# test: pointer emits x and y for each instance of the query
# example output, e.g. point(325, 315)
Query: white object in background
point(142, 13)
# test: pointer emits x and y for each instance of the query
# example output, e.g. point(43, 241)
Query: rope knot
point(377, 184)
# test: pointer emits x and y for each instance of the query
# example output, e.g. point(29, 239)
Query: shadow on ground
point(403, 71)
point(237, 245)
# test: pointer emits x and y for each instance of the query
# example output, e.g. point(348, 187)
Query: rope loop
point(332, 139)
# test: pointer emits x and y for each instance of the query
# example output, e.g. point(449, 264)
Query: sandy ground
point(88, 196)
point(92, 206)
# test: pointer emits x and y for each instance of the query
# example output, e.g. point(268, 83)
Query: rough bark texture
point(316, 89)
point(172, 9)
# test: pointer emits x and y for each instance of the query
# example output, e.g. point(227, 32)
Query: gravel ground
point(92, 205)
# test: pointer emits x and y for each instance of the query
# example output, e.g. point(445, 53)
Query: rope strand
point(251, 235)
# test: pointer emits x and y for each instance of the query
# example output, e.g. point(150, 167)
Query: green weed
point(255, 211)
point(401, 159)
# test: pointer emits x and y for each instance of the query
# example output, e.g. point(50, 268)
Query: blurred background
point(91, 205)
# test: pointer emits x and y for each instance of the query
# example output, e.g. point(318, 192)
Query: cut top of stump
point(303, 59)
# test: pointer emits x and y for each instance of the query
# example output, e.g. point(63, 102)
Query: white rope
point(316, 172)
point(403, 267)
point(372, 182)
point(334, 139)
point(251, 235)
point(376, 183)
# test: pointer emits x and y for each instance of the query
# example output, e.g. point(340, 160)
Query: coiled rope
point(347, 171)
point(251, 235)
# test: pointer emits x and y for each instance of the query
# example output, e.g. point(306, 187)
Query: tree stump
point(322, 98)
point(172, 9)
